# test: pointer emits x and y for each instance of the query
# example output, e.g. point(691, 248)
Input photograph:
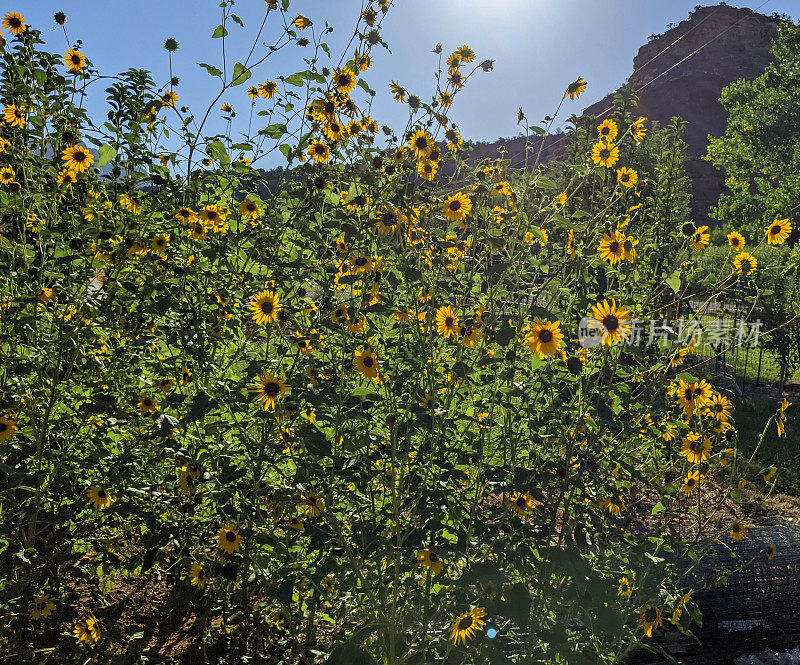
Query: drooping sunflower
point(74, 60)
point(575, 89)
point(627, 177)
point(367, 364)
point(8, 428)
point(779, 231)
point(695, 448)
point(197, 576)
point(700, 238)
point(738, 531)
point(266, 307)
point(311, 504)
point(611, 247)
point(421, 143)
point(629, 248)
point(446, 322)
point(343, 80)
point(229, 540)
point(544, 338)
point(42, 607)
point(608, 130)
point(99, 497)
point(77, 158)
point(625, 587)
point(605, 154)
point(429, 560)
point(87, 630)
point(615, 321)
point(465, 626)
point(457, 207)
point(694, 396)
point(638, 130)
point(268, 389)
point(319, 152)
point(691, 483)
point(14, 115)
point(301, 22)
point(649, 619)
point(736, 240)
point(14, 22)
point(398, 91)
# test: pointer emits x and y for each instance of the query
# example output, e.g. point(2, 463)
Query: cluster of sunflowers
point(352, 399)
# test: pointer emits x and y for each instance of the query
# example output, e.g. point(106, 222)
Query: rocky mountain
point(682, 73)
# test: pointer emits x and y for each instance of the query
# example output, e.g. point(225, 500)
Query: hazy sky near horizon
point(538, 46)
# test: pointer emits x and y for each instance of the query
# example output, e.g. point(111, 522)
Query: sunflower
point(297, 524)
point(638, 130)
point(575, 89)
point(213, 217)
point(695, 448)
point(453, 138)
point(266, 307)
point(445, 99)
point(42, 607)
point(629, 248)
point(169, 99)
point(738, 531)
point(426, 169)
point(335, 131)
point(520, 503)
point(249, 209)
point(367, 364)
point(44, 294)
point(185, 215)
point(446, 321)
point(736, 240)
point(608, 130)
point(467, 625)
point(319, 152)
point(15, 23)
point(625, 587)
point(611, 247)
point(421, 143)
point(627, 177)
point(197, 576)
point(691, 483)
point(268, 389)
point(99, 497)
point(301, 22)
point(165, 385)
point(360, 264)
point(770, 474)
point(649, 619)
point(779, 231)
point(74, 60)
point(457, 207)
point(7, 175)
point(343, 80)
point(77, 158)
point(429, 560)
point(398, 91)
point(197, 231)
point(605, 154)
point(5, 144)
point(544, 338)
point(14, 115)
point(700, 238)
point(311, 504)
point(87, 630)
point(615, 322)
point(229, 540)
point(719, 407)
point(226, 108)
point(146, 404)
point(160, 243)
point(772, 550)
point(694, 396)
point(252, 92)
point(268, 89)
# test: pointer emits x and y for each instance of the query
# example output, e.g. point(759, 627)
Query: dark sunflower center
point(522, 502)
point(148, 402)
point(360, 200)
point(251, 207)
point(201, 574)
point(455, 206)
point(696, 446)
point(449, 322)
point(735, 528)
point(271, 388)
point(735, 242)
point(339, 313)
point(344, 80)
point(465, 623)
point(361, 261)
point(368, 362)
point(79, 156)
point(267, 307)
point(433, 557)
point(312, 501)
point(14, 22)
point(614, 247)
point(198, 228)
point(688, 394)
point(101, 494)
point(545, 336)
point(605, 153)
point(3, 427)
point(690, 482)
point(605, 131)
point(319, 149)
point(421, 143)
point(745, 266)
point(230, 536)
point(650, 615)
point(611, 323)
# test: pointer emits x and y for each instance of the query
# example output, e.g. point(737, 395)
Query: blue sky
point(538, 46)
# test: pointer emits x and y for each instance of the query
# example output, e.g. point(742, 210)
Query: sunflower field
point(342, 414)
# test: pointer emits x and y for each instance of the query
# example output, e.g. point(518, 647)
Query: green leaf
point(274, 131)
point(201, 405)
point(237, 19)
point(517, 605)
point(216, 150)
point(106, 154)
point(349, 654)
point(543, 182)
point(674, 282)
point(297, 79)
point(220, 32)
point(240, 74)
point(210, 69)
